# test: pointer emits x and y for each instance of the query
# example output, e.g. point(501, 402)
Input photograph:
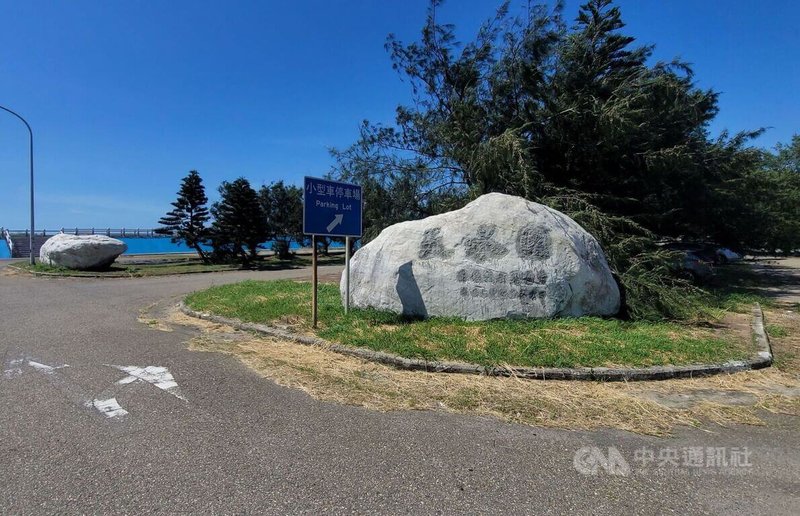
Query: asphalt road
point(782, 278)
point(234, 442)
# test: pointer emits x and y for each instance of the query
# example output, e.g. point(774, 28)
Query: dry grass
point(786, 343)
point(146, 317)
point(10, 271)
point(564, 404)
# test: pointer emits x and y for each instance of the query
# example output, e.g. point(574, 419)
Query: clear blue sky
point(125, 97)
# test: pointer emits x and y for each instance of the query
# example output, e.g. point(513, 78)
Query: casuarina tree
point(239, 223)
point(186, 222)
point(578, 117)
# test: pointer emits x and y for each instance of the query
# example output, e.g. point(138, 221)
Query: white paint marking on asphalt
point(156, 375)
point(105, 402)
point(16, 367)
point(109, 408)
point(46, 369)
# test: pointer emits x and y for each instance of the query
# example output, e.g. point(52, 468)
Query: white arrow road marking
point(336, 221)
point(106, 402)
point(15, 367)
point(158, 376)
point(109, 407)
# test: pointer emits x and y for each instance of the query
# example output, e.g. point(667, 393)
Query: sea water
point(155, 245)
point(164, 245)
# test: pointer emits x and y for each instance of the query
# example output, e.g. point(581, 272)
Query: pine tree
point(186, 222)
point(239, 223)
point(283, 207)
point(786, 156)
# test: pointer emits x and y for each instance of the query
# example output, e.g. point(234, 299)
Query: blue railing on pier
point(17, 243)
point(112, 232)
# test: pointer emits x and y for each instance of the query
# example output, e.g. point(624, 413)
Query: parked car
point(696, 268)
point(697, 261)
point(725, 255)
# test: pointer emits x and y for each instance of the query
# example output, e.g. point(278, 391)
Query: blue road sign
point(331, 208)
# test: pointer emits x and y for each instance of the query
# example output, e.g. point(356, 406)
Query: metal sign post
point(314, 281)
point(346, 274)
point(332, 209)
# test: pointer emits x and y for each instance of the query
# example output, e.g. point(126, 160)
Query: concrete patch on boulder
point(81, 252)
point(498, 257)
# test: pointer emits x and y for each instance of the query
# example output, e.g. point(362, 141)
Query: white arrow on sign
point(154, 375)
point(336, 221)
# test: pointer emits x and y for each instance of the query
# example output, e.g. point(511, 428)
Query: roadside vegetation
point(568, 342)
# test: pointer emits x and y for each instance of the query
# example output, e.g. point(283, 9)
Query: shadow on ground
point(775, 279)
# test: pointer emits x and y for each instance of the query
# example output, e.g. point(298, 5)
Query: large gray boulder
point(82, 252)
point(498, 257)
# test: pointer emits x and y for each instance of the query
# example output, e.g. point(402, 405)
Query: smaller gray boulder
point(82, 252)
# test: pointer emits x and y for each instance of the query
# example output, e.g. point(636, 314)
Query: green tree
point(283, 208)
point(574, 117)
point(186, 222)
point(389, 196)
point(786, 156)
point(773, 191)
point(239, 223)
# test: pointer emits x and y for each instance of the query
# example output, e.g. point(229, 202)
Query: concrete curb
point(59, 275)
point(761, 360)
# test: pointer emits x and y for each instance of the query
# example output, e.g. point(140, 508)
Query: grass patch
point(576, 342)
point(774, 330)
point(181, 265)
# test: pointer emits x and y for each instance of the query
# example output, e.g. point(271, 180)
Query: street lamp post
point(30, 131)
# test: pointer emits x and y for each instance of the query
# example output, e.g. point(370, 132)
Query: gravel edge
point(762, 359)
